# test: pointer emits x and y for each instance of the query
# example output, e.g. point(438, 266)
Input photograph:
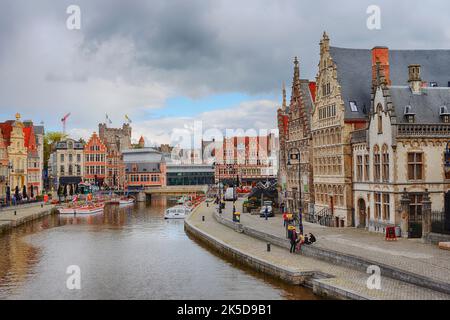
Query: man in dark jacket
point(293, 238)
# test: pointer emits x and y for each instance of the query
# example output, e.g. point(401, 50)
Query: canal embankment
point(325, 278)
point(13, 217)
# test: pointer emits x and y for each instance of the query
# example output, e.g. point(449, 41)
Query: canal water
point(125, 253)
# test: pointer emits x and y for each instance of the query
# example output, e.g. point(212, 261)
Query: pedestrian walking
point(292, 238)
point(266, 212)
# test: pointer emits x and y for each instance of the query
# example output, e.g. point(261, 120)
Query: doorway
point(362, 215)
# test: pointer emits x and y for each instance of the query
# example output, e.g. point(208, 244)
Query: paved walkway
point(343, 278)
point(23, 213)
point(407, 254)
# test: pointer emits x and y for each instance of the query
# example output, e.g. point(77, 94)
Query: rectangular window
point(415, 166)
point(377, 206)
point(385, 167)
point(386, 207)
point(377, 167)
point(359, 168)
point(366, 167)
point(78, 157)
point(62, 157)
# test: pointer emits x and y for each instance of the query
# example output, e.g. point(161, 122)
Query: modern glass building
point(190, 175)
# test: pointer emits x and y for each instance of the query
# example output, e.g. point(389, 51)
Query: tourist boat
point(177, 212)
point(70, 210)
point(126, 201)
point(90, 208)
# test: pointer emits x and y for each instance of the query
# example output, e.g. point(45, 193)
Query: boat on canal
point(177, 212)
point(90, 208)
point(126, 201)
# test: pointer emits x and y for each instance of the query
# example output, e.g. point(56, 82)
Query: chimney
point(380, 56)
point(414, 80)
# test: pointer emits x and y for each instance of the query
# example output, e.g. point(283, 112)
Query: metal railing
point(324, 217)
point(440, 222)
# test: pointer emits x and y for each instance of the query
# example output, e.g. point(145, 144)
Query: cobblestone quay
point(324, 277)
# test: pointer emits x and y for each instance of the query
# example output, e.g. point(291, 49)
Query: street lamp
point(294, 155)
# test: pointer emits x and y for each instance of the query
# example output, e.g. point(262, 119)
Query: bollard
point(42, 205)
point(15, 212)
point(268, 247)
point(203, 218)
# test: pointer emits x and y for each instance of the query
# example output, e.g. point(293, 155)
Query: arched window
point(376, 163)
point(385, 159)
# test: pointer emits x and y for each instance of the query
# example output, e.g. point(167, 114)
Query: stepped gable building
point(299, 140)
point(399, 159)
point(95, 162)
point(341, 106)
point(116, 141)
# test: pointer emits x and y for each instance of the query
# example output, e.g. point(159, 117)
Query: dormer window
point(409, 115)
point(444, 114)
point(353, 106)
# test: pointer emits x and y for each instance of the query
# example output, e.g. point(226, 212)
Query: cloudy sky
point(168, 63)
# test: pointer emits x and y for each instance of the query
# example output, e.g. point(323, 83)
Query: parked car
point(230, 195)
point(268, 205)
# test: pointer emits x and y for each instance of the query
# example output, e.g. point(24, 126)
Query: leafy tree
point(50, 139)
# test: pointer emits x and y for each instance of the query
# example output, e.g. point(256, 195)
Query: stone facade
point(66, 164)
point(298, 141)
point(331, 129)
point(405, 144)
point(116, 140)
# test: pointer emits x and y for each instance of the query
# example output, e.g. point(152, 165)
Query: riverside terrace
point(336, 265)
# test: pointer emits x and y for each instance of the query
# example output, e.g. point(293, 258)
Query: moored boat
point(177, 212)
point(90, 208)
point(126, 201)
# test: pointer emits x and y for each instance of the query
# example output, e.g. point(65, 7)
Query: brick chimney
point(380, 56)
point(414, 79)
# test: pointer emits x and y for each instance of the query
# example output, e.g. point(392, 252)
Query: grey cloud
point(131, 55)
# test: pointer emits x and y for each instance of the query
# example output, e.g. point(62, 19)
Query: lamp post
point(294, 154)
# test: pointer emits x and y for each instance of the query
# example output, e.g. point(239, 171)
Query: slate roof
point(425, 106)
point(63, 144)
point(307, 97)
point(143, 167)
point(354, 72)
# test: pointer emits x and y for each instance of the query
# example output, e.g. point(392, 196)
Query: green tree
point(50, 139)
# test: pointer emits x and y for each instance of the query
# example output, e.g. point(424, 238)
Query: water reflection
point(124, 253)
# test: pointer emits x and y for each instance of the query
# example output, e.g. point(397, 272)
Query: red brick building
point(95, 161)
point(252, 159)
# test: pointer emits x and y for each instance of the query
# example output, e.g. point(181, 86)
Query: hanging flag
point(128, 119)
point(108, 120)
